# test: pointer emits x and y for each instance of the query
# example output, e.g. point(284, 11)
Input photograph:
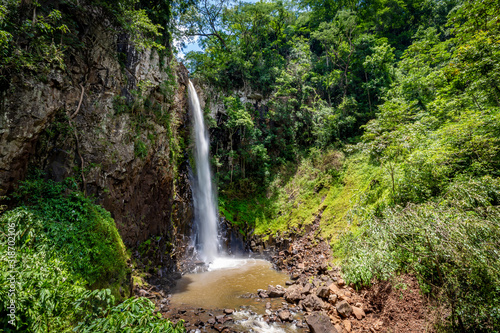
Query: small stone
point(211, 321)
point(339, 328)
point(284, 315)
point(219, 327)
point(323, 292)
point(358, 312)
point(332, 299)
point(220, 319)
point(228, 311)
point(347, 325)
point(268, 305)
point(341, 282)
point(307, 288)
point(344, 309)
point(334, 289)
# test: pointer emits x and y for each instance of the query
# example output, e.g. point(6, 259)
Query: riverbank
point(314, 299)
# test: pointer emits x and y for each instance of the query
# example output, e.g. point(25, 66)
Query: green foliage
point(36, 36)
point(294, 197)
point(135, 315)
point(451, 244)
point(436, 138)
point(81, 232)
point(44, 288)
point(64, 243)
point(140, 149)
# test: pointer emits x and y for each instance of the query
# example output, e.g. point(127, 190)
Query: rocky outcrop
point(116, 120)
point(319, 323)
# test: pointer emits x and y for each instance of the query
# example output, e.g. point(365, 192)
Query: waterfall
point(205, 212)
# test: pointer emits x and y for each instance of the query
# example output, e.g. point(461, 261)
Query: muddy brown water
point(224, 285)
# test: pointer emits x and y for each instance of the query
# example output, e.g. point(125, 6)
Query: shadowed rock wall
point(124, 139)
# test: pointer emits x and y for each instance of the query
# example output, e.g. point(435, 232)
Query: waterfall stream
point(205, 211)
point(228, 278)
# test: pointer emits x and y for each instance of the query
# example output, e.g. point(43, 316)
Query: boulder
point(323, 292)
point(319, 323)
point(344, 309)
point(358, 312)
point(332, 299)
point(285, 315)
point(263, 294)
point(312, 302)
point(293, 294)
point(307, 288)
point(334, 289)
point(277, 291)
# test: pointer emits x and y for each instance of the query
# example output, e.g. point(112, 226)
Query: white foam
point(255, 323)
point(228, 263)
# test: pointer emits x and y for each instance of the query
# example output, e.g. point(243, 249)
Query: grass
point(321, 182)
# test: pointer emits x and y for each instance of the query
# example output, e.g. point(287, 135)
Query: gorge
point(316, 166)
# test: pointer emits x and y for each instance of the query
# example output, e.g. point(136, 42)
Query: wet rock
point(344, 309)
point(293, 294)
point(289, 283)
point(220, 319)
point(263, 294)
point(319, 323)
point(358, 312)
point(285, 315)
point(211, 321)
point(277, 291)
point(312, 302)
point(268, 305)
point(228, 311)
point(323, 292)
point(219, 327)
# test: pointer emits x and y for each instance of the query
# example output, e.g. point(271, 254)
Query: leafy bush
point(44, 287)
point(135, 315)
point(63, 242)
point(452, 244)
point(80, 231)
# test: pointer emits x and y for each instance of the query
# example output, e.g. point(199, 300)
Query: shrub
point(81, 232)
point(451, 244)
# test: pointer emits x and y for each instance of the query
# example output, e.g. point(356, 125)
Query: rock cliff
point(117, 121)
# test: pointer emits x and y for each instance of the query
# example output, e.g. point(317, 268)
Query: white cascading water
point(205, 211)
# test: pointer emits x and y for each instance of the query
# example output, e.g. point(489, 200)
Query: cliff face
point(114, 119)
